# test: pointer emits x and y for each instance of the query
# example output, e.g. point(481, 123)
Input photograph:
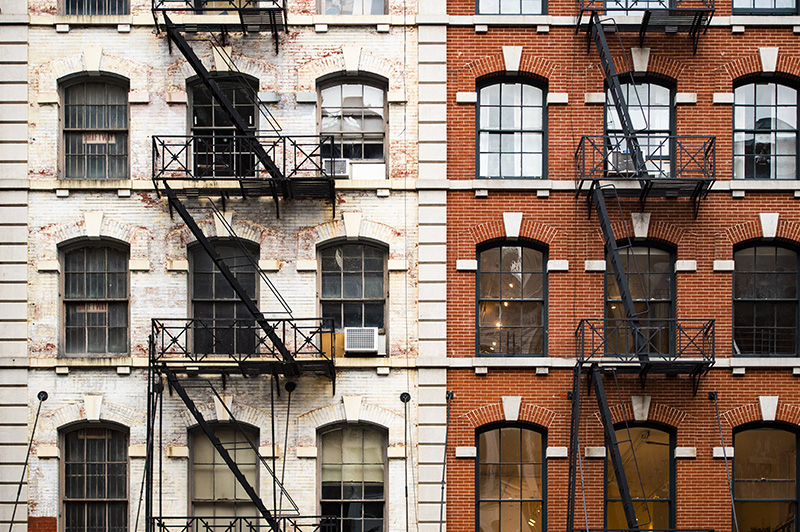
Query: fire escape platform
point(249, 16)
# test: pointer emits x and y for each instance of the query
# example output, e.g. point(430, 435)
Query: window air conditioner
point(360, 340)
point(620, 163)
point(336, 167)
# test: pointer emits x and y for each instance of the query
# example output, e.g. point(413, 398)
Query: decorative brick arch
point(179, 239)
point(243, 413)
point(657, 65)
point(531, 65)
point(750, 65)
point(530, 229)
point(310, 238)
point(751, 413)
point(493, 413)
point(658, 413)
point(725, 241)
point(333, 63)
point(50, 237)
point(310, 422)
point(51, 422)
point(180, 70)
point(657, 231)
point(47, 76)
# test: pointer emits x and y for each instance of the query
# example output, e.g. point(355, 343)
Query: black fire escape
point(630, 164)
point(195, 358)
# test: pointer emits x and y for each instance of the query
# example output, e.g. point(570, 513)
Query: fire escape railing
point(615, 6)
point(285, 523)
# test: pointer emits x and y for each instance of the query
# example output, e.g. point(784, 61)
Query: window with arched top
point(648, 459)
point(765, 479)
point(765, 301)
point(512, 300)
point(511, 479)
point(355, 114)
point(512, 130)
point(95, 128)
point(353, 481)
point(95, 479)
point(765, 141)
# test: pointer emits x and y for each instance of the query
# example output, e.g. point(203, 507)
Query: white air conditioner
point(620, 163)
point(336, 167)
point(360, 340)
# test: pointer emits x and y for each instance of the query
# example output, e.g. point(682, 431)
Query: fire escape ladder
point(226, 272)
point(612, 444)
point(175, 383)
point(574, 446)
point(597, 35)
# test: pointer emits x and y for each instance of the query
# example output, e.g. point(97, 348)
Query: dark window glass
point(353, 472)
point(215, 491)
point(511, 131)
point(646, 456)
point(650, 107)
point(511, 476)
point(219, 151)
point(765, 131)
point(355, 115)
point(510, 7)
point(96, 300)
point(765, 480)
point(764, 6)
point(765, 301)
point(511, 301)
point(96, 7)
point(95, 480)
point(221, 322)
point(650, 279)
point(351, 7)
point(353, 290)
point(96, 131)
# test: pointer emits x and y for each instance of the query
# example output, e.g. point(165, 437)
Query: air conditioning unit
point(360, 340)
point(336, 167)
point(620, 163)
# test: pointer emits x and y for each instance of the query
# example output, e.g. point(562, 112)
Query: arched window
point(512, 140)
point(355, 114)
point(353, 478)
point(765, 131)
point(353, 285)
point(512, 310)
point(765, 479)
point(221, 322)
point(218, 150)
point(96, 299)
point(651, 108)
point(95, 128)
point(647, 455)
point(765, 280)
point(95, 479)
point(511, 477)
point(651, 282)
point(215, 491)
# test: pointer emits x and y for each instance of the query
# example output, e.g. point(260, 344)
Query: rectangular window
point(353, 290)
point(352, 7)
point(96, 7)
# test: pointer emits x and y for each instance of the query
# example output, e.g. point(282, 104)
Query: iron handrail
point(287, 523)
point(686, 339)
point(232, 158)
point(240, 340)
point(665, 156)
point(615, 6)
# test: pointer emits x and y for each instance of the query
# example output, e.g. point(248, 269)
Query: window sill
point(113, 360)
point(350, 20)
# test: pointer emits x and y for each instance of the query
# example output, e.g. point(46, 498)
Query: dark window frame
point(777, 425)
point(321, 7)
point(753, 245)
point(672, 433)
point(523, 80)
point(109, 429)
point(74, 83)
point(767, 11)
point(65, 301)
point(523, 244)
point(772, 131)
point(542, 11)
point(359, 136)
point(649, 80)
point(383, 433)
point(543, 434)
point(80, 8)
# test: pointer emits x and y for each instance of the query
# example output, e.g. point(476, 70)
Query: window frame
point(532, 81)
point(364, 80)
point(760, 80)
point(649, 80)
point(768, 11)
point(321, 7)
point(544, 299)
point(543, 434)
point(108, 79)
point(384, 434)
point(773, 301)
point(64, 301)
point(671, 432)
point(63, 434)
point(63, 10)
point(542, 11)
point(777, 425)
point(223, 243)
point(380, 247)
